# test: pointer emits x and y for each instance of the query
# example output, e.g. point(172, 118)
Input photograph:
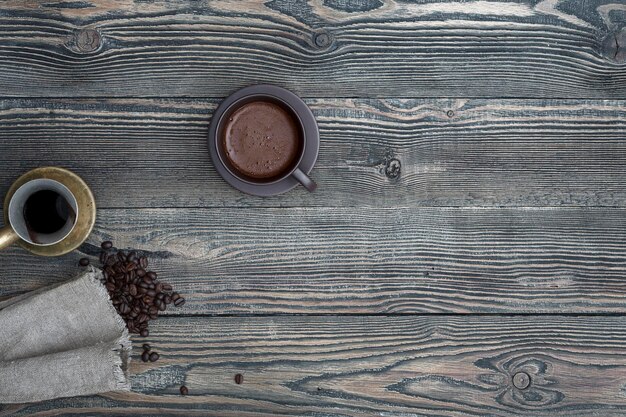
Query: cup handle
point(7, 237)
point(304, 179)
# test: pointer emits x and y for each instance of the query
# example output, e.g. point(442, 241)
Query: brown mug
point(293, 118)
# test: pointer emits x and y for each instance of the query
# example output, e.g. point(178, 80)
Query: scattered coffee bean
point(167, 287)
point(144, 333)
point(143, 261)
point(184, 390)
point(238, 379)
point(106, 245)
point(154, 357)
point(83, 262)
point(152, 275)
point(179, 302)
point(145, 356)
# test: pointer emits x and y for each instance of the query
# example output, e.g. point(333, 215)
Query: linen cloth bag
point(62, 341)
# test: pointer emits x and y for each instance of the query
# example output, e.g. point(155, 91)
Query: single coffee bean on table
point(184, 390)
point(83, 262)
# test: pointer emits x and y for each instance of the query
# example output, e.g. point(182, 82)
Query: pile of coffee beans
point(136, 293)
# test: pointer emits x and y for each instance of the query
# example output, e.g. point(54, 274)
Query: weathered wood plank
point(498, 48)
point(374, 152)
point(365, 366)
point(349, 260)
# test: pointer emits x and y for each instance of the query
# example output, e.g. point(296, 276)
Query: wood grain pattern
point(366, 366)
point(388, 260)
point(319, 48)
point(390, 152)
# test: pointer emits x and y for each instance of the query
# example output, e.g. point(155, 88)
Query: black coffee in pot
point(46, 212)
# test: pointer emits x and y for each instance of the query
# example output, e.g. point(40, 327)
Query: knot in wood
point(614, 46)
point(393, 169)
point(87, 40)
point(521, 380)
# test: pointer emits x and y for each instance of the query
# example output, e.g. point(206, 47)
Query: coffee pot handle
point(7, 237)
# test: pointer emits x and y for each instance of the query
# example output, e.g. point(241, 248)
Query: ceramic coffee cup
point(287, 105)
point(49, 211)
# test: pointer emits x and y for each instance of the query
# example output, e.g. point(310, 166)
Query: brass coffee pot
point(68, 185)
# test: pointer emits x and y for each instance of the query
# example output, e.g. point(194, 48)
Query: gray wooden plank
point(498, 48)
point(392, 152)
point(365, 261)
point(366, 366)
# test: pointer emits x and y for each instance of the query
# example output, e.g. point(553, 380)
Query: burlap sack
point(62, 341)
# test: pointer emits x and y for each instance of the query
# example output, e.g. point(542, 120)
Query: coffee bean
point(154, 316)
point(140, 272)
point(175, 296)
point(110, 260)
point(151, 293)
point(147, 279)
point(103, 257)
point(167, 287)
point(143, 318)
point(153, 310)
point(159, 287)
point(152, 275)
point(146, 346)
point(133, 314)
point(132, 289)
point(147, 299)
point(179, 302)
point(110, 286)
point(132, 256)
point(83, 262)
point(162, 307)
point(238, 379)
point(143, 261)
point(184, 390)
point(145, 356)
point(106, 245)
point(152, 286)
point(144, 333)
point(121, 256)
point(130, 266)
point(160, 296)
point(144, 285)
point(154, 357)
point(167, 299)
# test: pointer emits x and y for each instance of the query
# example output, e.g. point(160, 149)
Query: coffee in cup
point(261, 140)
point(264, 140)
point(49, 211)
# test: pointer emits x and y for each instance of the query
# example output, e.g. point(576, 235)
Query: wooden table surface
point(465, 254)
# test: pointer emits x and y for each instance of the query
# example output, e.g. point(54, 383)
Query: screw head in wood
point(322, 39)
point(88, 40)
point(521, 380)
